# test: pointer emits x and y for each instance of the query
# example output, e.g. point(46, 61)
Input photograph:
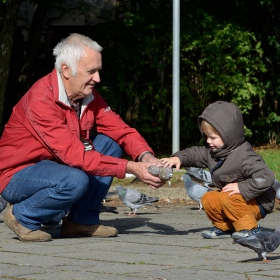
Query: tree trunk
point(24, 81)
point(8, 22)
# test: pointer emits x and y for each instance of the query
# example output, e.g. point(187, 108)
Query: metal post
point(176, 78)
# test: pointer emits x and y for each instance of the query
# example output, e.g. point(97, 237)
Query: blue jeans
point(42, 191)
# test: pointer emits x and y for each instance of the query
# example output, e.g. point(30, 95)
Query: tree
point(8, 20)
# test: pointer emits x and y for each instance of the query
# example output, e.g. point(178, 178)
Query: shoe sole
point(87, 236)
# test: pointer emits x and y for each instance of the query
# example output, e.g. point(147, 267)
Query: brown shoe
point(23, 233)
point(70, 229)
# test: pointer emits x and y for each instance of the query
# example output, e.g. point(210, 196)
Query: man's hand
point(140, 169)
point(149, 157)
point(232, 188)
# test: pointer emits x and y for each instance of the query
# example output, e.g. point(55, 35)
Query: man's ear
point(66, 71)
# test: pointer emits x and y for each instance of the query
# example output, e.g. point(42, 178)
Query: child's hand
point(170, 162)
point(232, 188)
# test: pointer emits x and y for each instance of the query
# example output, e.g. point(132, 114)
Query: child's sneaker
point(246, 232)
point(216, 233)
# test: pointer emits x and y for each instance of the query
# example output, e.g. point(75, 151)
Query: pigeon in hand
point(200, 175)
point(134, 199)
point(276, 186)
point(164, 173)
point(262, 242)
point(194, 190)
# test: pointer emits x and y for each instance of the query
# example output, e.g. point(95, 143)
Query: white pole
point(176, 78)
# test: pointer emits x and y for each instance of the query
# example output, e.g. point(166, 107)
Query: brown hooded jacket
point(235, 161)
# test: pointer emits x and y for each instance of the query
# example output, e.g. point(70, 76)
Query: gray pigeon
point(194, 190)
point(262, 242)
point(276, 186)
point(109, 194)
point(200, 175)
point(164, 173)
point(3, 204)
point(134, 199)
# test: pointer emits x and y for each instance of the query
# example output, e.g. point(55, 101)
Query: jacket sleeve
point(46, 124)
point(260, 176)
point(60, 138)
point(193, 157)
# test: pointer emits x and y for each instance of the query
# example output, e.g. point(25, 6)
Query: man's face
point(81, 85)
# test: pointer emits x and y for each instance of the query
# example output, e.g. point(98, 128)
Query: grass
point(272, 159)
point(270, 155)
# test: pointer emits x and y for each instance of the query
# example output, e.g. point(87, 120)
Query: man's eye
point(92, 72)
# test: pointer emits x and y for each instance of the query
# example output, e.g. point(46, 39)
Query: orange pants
point(231, 212)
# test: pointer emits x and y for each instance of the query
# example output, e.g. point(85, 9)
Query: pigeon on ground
point(109, 194)
point(111, 209)
point(276, 186)
point(262, 242)
point(164, 173)
point(194, 190)
point(134, 199)
point(200, 175)
point(3, 204)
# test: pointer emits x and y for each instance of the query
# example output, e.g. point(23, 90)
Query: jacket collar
point(62, 96)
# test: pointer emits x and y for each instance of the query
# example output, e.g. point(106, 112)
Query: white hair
point(71, 49)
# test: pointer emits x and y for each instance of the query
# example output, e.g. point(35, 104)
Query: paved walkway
point(162, 243)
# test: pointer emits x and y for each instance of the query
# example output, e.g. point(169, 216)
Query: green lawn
point(272, 159)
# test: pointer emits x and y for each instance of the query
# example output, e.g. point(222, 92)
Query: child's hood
point(227, 119)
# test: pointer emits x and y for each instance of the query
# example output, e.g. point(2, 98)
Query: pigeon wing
point(193, 190)
point(200, 175)
point(269, 240)
point(149, 199)
point(251, 242)
point(134, 196)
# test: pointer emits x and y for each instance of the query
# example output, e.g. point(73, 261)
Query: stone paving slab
point(159, 244)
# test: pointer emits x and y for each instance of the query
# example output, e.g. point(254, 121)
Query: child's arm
point(232, 188)
point(172, 161)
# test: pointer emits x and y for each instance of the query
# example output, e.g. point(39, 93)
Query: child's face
point(214, 140)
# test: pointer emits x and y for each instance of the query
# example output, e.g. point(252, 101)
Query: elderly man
point(61, 149)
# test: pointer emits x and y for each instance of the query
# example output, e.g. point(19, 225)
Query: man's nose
point(96, 77)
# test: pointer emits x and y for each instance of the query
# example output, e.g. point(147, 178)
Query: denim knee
point(77, 184)
point(106, 145)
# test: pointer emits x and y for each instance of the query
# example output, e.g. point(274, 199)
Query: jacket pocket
point(230, 178)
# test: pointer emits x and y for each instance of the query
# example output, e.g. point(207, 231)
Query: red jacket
point(44, 126)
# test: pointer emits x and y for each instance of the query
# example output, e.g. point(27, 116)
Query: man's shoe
point(246, 232)
point(215, 233)
point(70, 229)
point(23, 233)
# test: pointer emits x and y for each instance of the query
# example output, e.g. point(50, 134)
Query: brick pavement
point(158, 244)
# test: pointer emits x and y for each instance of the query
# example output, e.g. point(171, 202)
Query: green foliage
point(138, 82)
point(230, 50)
point(221, 58)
